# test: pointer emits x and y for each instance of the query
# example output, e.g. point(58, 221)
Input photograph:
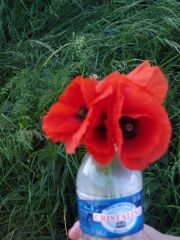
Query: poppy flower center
point(128, 126)
point(81, 114)
point(101, 130)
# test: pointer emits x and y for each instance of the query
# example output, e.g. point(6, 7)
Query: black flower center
point(101, 130)
point(128, 126)
point(81, 114)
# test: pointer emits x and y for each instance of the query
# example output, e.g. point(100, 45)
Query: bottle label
point(112, 218)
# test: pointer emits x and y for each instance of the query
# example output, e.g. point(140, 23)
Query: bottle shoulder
point(106, 181)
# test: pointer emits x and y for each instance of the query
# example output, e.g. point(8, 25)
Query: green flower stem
point(108, 170)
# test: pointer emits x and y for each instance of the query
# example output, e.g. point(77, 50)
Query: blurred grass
point(43, 45)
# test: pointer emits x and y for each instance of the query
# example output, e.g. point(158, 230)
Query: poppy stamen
point(128, 126)
point(82, 113)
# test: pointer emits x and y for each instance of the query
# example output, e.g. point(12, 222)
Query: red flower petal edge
point(151, 79)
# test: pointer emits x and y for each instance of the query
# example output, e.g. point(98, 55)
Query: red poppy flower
point(140, 124)
point(68, 119)
point(145, 127)
point(99, 139)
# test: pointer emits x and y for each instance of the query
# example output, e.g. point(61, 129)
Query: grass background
point(44, 44)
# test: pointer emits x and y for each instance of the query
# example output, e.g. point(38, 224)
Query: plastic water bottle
point(110, 201)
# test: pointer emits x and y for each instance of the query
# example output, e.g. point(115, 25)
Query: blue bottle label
point(112, 218)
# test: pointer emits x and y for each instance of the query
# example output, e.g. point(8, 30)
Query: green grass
point(43, 45)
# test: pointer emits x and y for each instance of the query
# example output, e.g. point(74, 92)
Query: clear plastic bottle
point(109, 201)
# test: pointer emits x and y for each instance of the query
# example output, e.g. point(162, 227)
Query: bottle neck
point(112, 180)
point(114, 166)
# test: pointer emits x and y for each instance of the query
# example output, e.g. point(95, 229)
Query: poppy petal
point(100, 144)
point(162, 146)
point(70, 146)
point(139, 163)
point(98, 139)
point(150, 79)
point(72, 96)
point(102, 157)
point(116, 114)
point(146, 139)
point(59, 130)
point(113, 80)
point(152, 119)
point(109, 81)
point(142, 162)
point(88, 86)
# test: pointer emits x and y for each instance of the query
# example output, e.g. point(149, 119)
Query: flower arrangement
point(122, 113)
